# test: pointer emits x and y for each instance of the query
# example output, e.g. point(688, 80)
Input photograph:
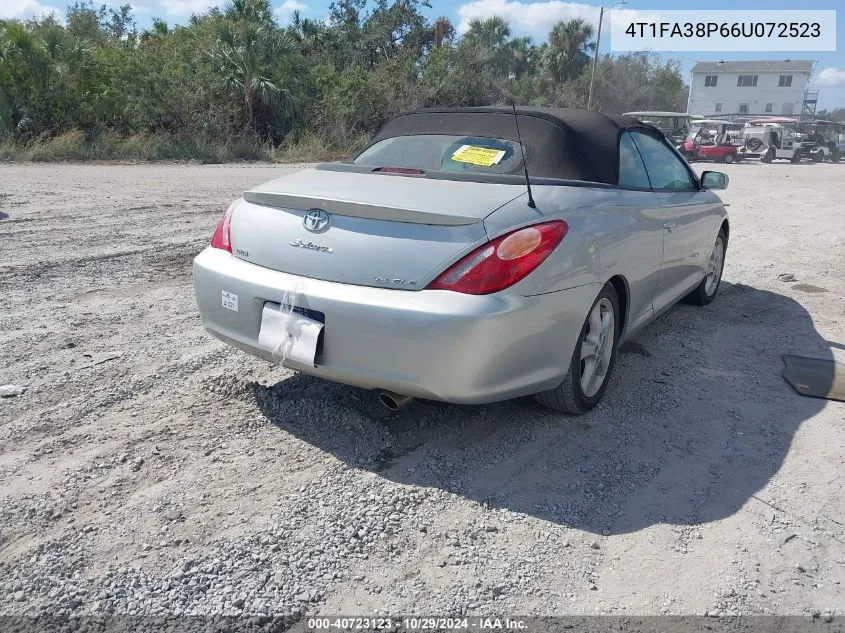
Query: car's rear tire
point(706, 291)
point(729, 158)
point(592, 361)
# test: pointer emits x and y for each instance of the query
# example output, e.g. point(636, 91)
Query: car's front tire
point(592, 361)
point(706, 291)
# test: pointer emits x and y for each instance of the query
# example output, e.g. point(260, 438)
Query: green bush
point(73, 146)
point(233, 84)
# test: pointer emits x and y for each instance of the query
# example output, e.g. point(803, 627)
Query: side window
point(632, 172)
point(665, 169)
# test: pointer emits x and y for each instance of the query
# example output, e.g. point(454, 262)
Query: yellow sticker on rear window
point(482, 156)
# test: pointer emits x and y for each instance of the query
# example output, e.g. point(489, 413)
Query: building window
point(768, 107)
point(784, 81)
point(746, 81)
point(710, 81)
point(743, 108)
point(718, 107)
point(787, 108)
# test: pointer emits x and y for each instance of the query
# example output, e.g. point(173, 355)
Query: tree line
point(237, 77)
point(836, 114)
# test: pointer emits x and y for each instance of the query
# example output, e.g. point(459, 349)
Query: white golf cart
point(770, 141)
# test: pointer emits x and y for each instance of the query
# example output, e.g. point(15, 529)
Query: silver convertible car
point(468, 256)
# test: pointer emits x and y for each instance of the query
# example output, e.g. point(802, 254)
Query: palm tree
point(524, 55)
point(250, 56)
point(32, 64)
point(568, 52)
point(309, 34)
point(297, 25)
point(246, 14)
point(492, 33)
point(490, 39)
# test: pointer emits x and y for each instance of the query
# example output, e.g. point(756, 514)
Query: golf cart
point(768, 142)
point(674, 125)
point(708, 139)
point(821, 138)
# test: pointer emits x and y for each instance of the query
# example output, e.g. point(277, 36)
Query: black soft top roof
point(559, 142)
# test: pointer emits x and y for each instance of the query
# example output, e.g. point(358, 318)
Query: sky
point(527, 17)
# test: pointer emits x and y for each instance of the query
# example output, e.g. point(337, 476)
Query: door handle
point(668, 224)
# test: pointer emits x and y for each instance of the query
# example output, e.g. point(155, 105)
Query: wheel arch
point(620, 285)
point(727, 230)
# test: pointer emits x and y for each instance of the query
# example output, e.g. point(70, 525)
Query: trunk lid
point(382, 230)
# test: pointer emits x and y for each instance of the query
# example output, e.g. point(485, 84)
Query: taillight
point(222, 237)
point(503, 261)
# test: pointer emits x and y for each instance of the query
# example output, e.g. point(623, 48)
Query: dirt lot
point(148, 468)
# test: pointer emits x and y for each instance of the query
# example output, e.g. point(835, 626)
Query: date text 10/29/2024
point(414, 624)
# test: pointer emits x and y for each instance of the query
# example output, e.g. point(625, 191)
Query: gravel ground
point(149, 469)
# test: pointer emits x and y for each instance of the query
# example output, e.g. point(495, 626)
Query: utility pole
point(595, 61)
point(596, 54)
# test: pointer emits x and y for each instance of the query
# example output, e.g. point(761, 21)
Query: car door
point(685, 214)
point(641, 253)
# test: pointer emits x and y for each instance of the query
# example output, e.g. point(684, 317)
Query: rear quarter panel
point(611, 232)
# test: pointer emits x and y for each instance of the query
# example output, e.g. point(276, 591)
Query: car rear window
point(444, 152)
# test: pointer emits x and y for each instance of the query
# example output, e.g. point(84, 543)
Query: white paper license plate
point(289, 335)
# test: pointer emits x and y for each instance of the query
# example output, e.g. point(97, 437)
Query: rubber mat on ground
point(815, 377)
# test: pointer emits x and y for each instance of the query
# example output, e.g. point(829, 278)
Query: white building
point(772, 88)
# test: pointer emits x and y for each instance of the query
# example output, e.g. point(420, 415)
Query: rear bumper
point(430, 344)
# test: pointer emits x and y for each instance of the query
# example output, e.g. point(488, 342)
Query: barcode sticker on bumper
point(230, 301)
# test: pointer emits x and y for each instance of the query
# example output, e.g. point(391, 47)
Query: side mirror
point(714, 180)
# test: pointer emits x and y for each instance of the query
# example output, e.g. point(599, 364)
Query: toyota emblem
point(316, 220)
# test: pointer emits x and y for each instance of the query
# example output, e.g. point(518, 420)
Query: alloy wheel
point(597, 347)
point(714, 267)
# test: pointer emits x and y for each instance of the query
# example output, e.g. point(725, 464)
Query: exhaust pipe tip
point(394, 401)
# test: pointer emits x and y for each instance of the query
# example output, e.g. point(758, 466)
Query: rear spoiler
point(337, 206)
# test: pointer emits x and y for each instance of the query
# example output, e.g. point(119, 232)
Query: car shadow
point(696, 420)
